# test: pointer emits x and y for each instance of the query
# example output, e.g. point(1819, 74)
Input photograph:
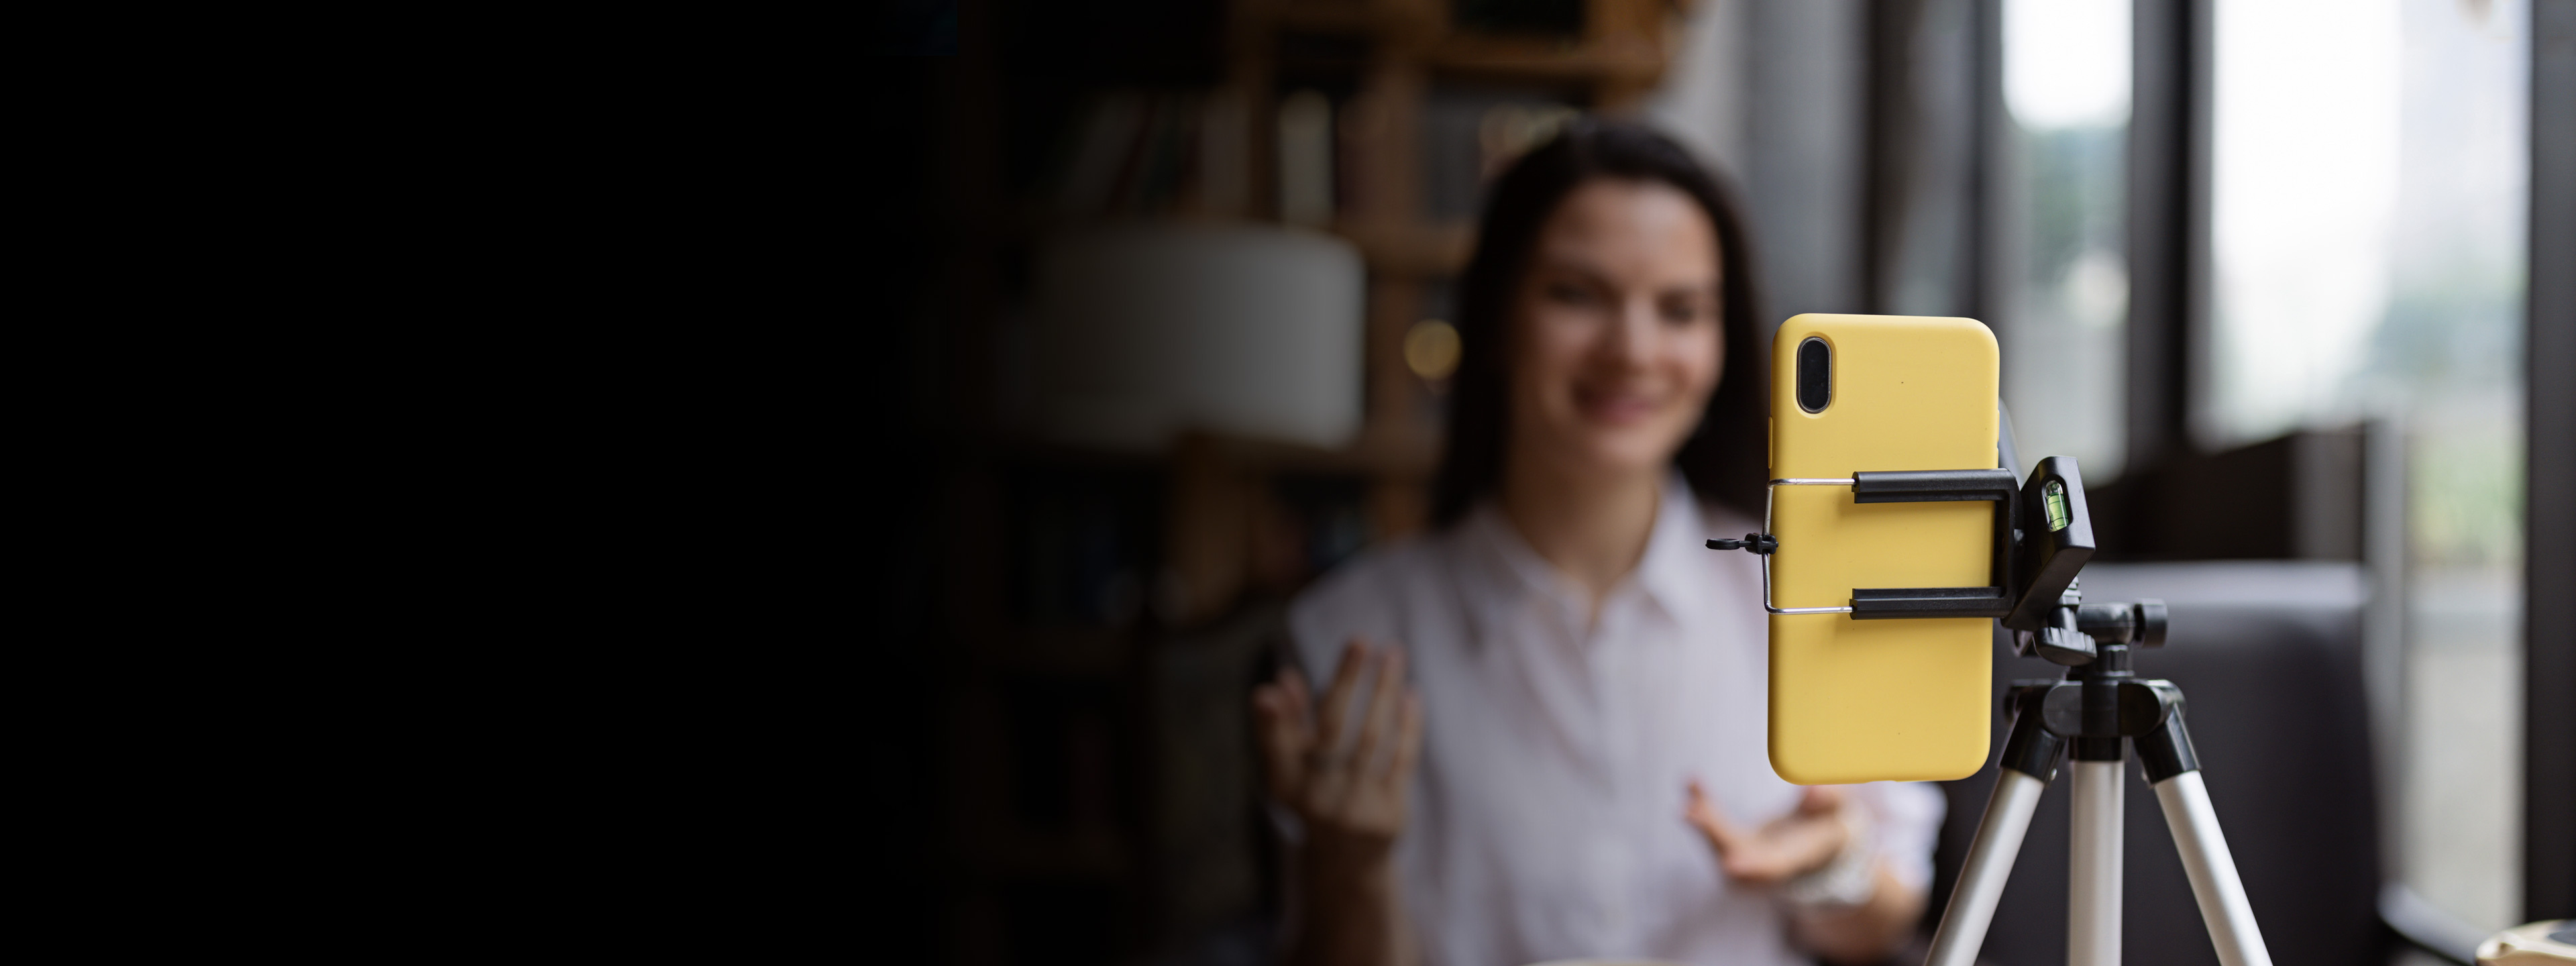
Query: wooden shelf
point(1397, 453)
point(1342, 18)
point(1412, 250)
point(1634, 62)
point(1624, 45)
point(1382, 456)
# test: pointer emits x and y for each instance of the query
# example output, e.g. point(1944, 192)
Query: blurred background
point(1171, 279)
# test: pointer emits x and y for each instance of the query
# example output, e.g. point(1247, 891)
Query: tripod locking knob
point(2061, 646)
point(1752, 543)
point(2138, 624)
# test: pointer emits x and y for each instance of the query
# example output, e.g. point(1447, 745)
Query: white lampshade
point(1144, 332)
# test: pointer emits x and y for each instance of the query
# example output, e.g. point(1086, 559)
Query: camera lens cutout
point(1815, 375)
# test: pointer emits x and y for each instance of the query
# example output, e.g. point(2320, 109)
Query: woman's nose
point(1631, 340)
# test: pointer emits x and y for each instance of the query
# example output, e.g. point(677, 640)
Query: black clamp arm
point(1941, 486)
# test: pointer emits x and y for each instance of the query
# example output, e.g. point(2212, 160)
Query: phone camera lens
point(1815, 375)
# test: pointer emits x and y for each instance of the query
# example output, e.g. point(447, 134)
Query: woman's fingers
point(1331, 718)
point(1751, 855)
point(1408, 740)
point(1822, 800)
point(1325, 764)
point(1747, 855)
point(1301, 700)
point(1760, 866)
point(1386, 699)
point(1703, 814)
point(1804, 840)
point(1283, 737)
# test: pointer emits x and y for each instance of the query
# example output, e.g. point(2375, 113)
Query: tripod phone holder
point(2043, 538)
point(2089, 714)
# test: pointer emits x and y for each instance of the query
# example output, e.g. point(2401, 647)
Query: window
point(2367, 228)
point(2066, 94)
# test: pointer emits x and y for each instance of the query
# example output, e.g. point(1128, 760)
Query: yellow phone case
point(1880, 700)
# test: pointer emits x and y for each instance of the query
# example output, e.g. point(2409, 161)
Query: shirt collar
point(1669, 572)
point(1509, 559)
point(1672, 571)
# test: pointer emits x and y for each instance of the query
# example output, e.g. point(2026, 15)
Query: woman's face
point(1616, 331)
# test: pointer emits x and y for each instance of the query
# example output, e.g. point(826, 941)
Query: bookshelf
point(1112, 611)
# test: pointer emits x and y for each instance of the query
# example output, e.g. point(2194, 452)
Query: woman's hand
point(1803, 841)
point(1348, 788)
point(1784, 848)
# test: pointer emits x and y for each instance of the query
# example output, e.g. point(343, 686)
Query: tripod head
point(2052, 542)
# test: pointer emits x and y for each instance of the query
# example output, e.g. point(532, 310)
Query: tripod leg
point(2174, 772)
point(2093, 869)
point(2029, 761)
point(1981, 879)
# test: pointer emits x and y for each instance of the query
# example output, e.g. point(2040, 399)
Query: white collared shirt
point(1546, 815)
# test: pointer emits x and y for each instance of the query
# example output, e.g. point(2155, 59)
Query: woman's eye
point(1569, 293)
point(1679, 312)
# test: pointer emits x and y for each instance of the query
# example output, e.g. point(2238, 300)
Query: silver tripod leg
point(1981, 879)
point(2093, 871)
point(2212, 870)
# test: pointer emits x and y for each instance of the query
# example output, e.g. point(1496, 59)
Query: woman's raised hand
point(1347, 785)
point(1784, 848)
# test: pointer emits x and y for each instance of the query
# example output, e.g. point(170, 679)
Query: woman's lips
point(1615, 407)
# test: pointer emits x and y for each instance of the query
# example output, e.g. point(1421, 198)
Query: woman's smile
point(1619, 405)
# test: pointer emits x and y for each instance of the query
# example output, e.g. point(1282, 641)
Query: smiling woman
point(1542, 735)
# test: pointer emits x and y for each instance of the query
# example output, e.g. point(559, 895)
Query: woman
point(1577, 766)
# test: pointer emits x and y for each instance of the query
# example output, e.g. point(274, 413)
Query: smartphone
point(1858, 700)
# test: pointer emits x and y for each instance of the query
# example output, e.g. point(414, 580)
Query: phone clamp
point(1908, 486)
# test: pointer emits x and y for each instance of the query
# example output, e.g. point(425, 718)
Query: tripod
point(2099, 704)
point(2043, 535)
